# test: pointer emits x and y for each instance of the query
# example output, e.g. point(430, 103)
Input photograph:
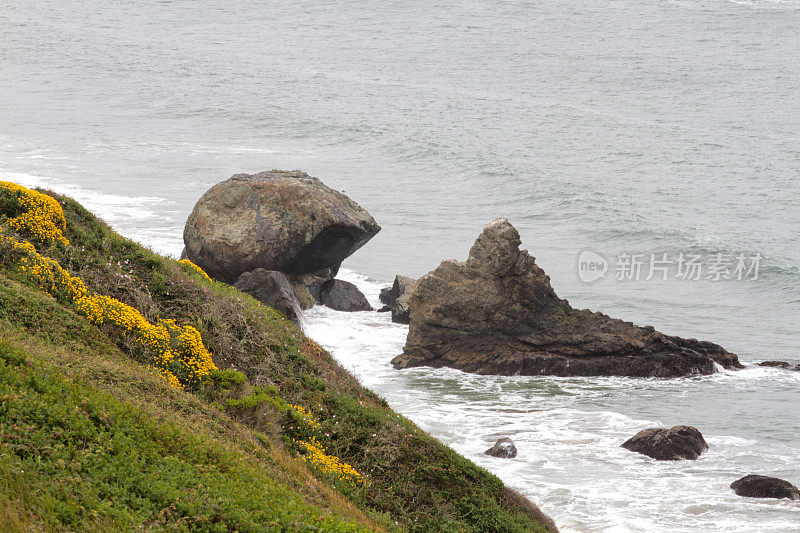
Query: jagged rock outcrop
point(503, 448)
point(278, 220)
point(496, 313)
point(343, 296)
point(673, 444)
point(754, 486)
point(271, 288)
point(396, 298)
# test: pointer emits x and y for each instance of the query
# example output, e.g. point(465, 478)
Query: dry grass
point(14, 518)
point(514, 499)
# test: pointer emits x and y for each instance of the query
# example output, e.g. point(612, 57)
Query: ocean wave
point(147, 219)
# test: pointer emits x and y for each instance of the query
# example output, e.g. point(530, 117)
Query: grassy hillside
point(271, 435)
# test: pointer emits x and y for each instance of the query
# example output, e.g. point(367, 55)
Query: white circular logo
point(591, 266)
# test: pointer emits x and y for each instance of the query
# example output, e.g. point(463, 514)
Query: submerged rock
point(343, 296)
point(397, 297)
point(673, 444)
point(278, 220)
point(503, 448)
point(496, 313)
point(779, 364)
point(754, 486)
point(271, 288)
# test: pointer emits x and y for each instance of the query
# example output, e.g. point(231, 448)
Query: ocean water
point(620, 127)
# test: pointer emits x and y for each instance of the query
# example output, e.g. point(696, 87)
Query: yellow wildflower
point(42, 217)
point(195, 268)
point(316, 457)
point(178, 351)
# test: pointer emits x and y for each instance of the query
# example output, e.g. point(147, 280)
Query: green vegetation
point(85, 460)
point(90, 439)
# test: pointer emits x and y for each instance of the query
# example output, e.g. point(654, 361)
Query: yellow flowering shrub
point(305, 415)
point(178, 351)
point(315, 454)
point(39, 215)
point(196, 268)
point(316, 457)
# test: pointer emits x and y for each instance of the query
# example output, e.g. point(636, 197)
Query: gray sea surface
point(626, 128)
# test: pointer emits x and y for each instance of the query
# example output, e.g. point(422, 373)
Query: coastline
point(267, 381)
point(622, 140)
point(569, 429)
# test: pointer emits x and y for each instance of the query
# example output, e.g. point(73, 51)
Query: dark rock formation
point(308, 287)
point(754, 486)
point(396, 298)
point(775, 364)
point(271, 288)
point(503, 448)
point(278, 220)
point(496, 313)
point(779, 364)
point(343, 296)
point(678, 442)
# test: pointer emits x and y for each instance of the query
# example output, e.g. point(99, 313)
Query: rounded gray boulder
point(503, 448)
point(343, 296)
point(278, 220)
point(673, 444)
point(755, 486)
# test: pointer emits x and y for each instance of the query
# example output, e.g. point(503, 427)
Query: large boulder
point(754, 486)
point(673, 444)
point(271, 288)
point(496, 313)
point(503, 448)
point(277, 220)
point(396, 298)
point(343, 296)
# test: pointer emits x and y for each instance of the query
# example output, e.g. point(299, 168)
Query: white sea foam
point(568, 432)
point(768, 4)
